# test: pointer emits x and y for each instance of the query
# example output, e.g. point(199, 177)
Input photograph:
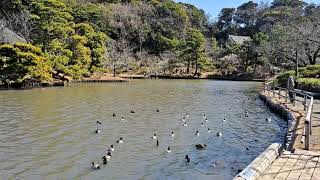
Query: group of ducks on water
point(106, 158)
point(154, 137)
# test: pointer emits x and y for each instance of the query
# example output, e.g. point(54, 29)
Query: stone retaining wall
point(265, 159)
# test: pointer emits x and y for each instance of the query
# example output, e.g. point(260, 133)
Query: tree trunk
point(297, 65)
point(114, 69)
point(188, 67)
point(196, 71)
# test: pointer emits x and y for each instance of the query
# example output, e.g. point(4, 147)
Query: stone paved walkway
point(301, 165)
point(298, 164)
point(301, 114)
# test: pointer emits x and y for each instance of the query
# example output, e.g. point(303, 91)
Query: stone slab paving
point(299, 112)
point(294, 166)
point(299, 164)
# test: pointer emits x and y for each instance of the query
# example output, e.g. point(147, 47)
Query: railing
point(308, 107)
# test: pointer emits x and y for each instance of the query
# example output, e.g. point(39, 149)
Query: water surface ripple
point(49, 133)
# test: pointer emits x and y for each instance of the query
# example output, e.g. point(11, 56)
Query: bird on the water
point(187, 158)
point(169, 150)
point(95, 165)
point(197, 133)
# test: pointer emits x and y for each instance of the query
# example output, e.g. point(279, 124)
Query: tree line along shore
point(52, 41)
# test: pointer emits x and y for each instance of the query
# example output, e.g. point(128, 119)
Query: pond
point(51, 132)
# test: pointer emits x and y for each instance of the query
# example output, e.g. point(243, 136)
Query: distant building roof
point(238, 39)
point(9, 37)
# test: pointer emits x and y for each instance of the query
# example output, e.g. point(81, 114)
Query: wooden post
point(286, 95)
point(305, 103)
point(279, 93)
point(273, 90)
point(307, 134)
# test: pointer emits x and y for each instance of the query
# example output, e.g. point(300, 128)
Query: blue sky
point(213, 7)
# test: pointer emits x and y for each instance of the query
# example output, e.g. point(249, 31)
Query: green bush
point(308, 72)
point(282, 79)
point(309, 82)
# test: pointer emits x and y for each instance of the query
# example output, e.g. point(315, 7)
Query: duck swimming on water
point(95, 166)
point(111, 148)
point(120, 141)
point(104, 160)
point(268, 119)
point(172, 134)
point(169, 150)
point(201, 146)
point(122, 119)
point(197, 133)
point(132, 111)
point(97, 131)
point(185, 124)
point(109, 155)
point(154, 136)
point(98, 122)
point(204, 116)
point(114, 114)
point(187, 115)
point(209, 130)
point(187, 158)
point(219, 134)
point(202, 124)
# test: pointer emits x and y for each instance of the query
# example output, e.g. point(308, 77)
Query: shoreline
point(260, 164)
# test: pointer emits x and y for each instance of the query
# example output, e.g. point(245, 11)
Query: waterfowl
point(172, 134)
point(120, 141)
point(197, 133)
point(209, 130)
point(95, 166)
point(122, 119)
point(98, 122)
point(202, 124)
point(268, 119)
point(224, 119)
point(97, 131)
point(109, 155)
point(111, 148)
point(187, 158)
point(114, 114)
point(247, 149)
point(206, 120)
point(219, 134)
point(158, 110)
point(204, 116)
point(183, 119)
point(104, 160)
point(157, 142)
point(154, 136)
point(201, 146)
point(185, 124)
point(169, 150)
point(187, 115)
point(132, 111)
